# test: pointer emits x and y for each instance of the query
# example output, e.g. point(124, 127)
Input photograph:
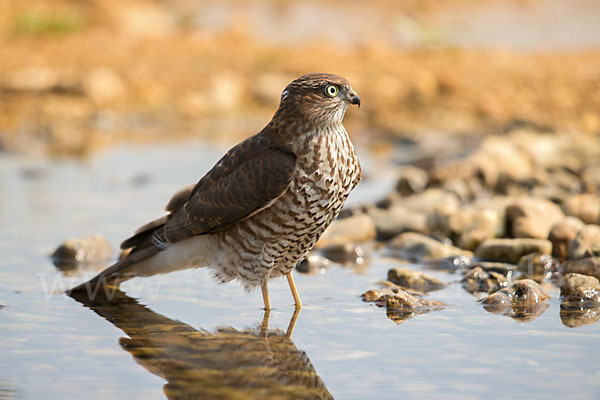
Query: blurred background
point(81, 75)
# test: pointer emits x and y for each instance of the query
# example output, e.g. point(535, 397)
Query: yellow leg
point(290, 280)
point(265, 293)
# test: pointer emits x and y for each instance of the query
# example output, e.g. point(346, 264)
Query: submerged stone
point(414, 280)
point(579, 292)
point(401, 305)
point(585, 266)
point(77, 252)
point(478, 280)
point(347, 253)
point(416, 247)
point(511, 250)
point(536, 264)
point(524, 300)
point(313, 264)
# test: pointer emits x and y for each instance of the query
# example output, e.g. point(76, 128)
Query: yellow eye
point(331, 90)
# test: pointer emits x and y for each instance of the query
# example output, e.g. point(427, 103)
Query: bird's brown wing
point(246, 180)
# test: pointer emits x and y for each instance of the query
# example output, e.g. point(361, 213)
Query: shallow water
point(187, 335)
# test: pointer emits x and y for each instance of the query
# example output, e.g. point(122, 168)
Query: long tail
point(118, 272)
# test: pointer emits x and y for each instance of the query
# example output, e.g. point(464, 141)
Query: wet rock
point(411, 180)
point(498, 302)
point(431, 201)
point(76, 252)
point(499, 267)
point(396, 220)
point(355, 229)
point(313, 264)
point(537, 264)
point(416, 247)
point(580, 291)
point(511, 250)
point(586, 266)
point(473, 226)
point(584, 206)
point(586, 243)
point(562, 234)
point(371, 295)
point(450, 264)
point(478, 280)
point(403, 306)
point(574, 318)
point(347, 253)
point(496, 160)
point(414, 280)
point(524, 300)
point(529, 217)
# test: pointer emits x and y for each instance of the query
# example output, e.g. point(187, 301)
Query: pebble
point(586, 266)
point(354, 229)
point(524, 300)
point(403, 306)
point(414, 280)
point(371, 295)
point(577, 318)
point(529, 217)
point(580, 291)
point(478, 280)
point(450, 264)
point(474, 226)
point(537, 263)
point(562, 234)
point(430, 201)
point(511, 250)
point(417, 247)
point(313, 264)
point(396, 220)
point(585, 206)
point(412, 180)
point(586, 243)
point(347, 253)
point(92, 250)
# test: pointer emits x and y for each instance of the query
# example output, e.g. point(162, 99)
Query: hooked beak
point(353, 98)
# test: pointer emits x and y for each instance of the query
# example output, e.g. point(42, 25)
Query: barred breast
point(272, 242)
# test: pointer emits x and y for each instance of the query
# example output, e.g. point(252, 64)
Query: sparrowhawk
point(264, 204)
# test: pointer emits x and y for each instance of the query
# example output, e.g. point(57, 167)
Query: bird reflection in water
point(259, 363)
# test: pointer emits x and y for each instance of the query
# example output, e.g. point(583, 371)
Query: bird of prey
point(264, 204)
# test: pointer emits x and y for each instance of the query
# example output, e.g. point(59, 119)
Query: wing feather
point(244, 183)
point(249, 178)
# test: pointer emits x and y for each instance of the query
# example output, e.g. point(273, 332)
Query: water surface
point(166, 334)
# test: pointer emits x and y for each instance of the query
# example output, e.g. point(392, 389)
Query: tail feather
point(118, 272)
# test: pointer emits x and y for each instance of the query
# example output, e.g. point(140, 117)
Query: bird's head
point(318, 97)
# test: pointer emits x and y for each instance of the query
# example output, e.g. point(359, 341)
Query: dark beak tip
point(355, 100)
